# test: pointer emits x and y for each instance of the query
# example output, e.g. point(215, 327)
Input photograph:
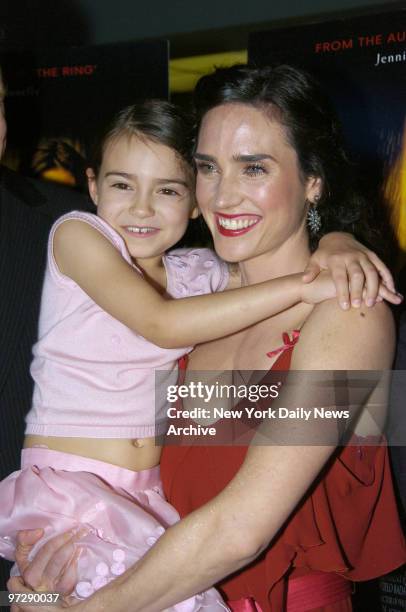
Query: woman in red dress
point(276, 526)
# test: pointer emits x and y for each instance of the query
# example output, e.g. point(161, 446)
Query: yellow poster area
point(54, 158)
point(185, 72)
point(395, 192)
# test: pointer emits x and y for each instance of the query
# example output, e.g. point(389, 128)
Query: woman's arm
point(87, 257)
point(232, 529)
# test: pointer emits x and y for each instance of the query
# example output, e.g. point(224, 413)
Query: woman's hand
point(356, 271)
point(16, 585)
point(53, 569)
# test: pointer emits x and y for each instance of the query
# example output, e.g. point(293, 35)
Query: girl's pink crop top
point(93, 376)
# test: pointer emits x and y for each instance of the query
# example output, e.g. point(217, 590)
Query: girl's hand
point(320, 289)
point(354, 268)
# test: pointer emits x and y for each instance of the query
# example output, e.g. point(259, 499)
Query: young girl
point(107, 322)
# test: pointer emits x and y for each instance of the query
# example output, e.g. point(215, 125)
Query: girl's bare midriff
point(139, 454)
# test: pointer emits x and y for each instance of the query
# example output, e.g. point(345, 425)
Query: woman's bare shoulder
point(359, 338)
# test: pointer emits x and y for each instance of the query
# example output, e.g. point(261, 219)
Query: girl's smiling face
point(145, 192)
point(249, 185)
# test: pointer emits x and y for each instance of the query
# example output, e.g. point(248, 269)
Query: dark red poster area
point(59, 100)
point(362, 63)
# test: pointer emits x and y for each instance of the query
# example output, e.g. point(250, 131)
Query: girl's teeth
point(140, 230)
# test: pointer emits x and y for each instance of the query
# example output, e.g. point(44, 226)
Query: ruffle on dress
point(122, 519)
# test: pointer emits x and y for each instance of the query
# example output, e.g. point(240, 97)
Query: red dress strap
point(182, 362)
point(287, 343)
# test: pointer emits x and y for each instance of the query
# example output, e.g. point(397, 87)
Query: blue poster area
point(361, 62)
point(59, 100)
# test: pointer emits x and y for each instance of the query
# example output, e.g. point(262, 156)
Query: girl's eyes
point(255, 170)
point(169, 192)
point(121, 186)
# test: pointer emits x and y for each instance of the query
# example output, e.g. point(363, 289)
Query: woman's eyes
point(205, 167)
point(251, 170)
point(255, 170)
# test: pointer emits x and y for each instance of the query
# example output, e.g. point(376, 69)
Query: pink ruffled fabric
point(124, 512)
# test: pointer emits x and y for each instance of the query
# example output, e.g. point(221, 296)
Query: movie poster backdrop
point(59, 100)
point(362, 63)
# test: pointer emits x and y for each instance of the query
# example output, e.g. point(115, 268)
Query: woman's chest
point(255, 348)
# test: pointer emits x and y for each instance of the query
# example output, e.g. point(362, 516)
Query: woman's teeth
point(233, 224)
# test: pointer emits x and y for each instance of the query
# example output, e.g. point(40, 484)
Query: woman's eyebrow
point(237, 158)
point(203, 157)
point(252, 158)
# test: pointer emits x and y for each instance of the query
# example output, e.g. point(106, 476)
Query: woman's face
point(249, 186)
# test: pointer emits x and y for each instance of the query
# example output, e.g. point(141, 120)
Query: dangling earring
point(313, 216)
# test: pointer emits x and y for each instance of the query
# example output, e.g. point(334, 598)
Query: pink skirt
point(124, 512)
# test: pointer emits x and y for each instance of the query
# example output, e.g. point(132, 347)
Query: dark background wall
point(112, 20)
point(61, 22)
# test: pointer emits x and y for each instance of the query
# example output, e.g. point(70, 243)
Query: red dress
point(348, 525)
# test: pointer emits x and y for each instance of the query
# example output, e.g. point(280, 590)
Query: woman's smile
point(236, 225)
